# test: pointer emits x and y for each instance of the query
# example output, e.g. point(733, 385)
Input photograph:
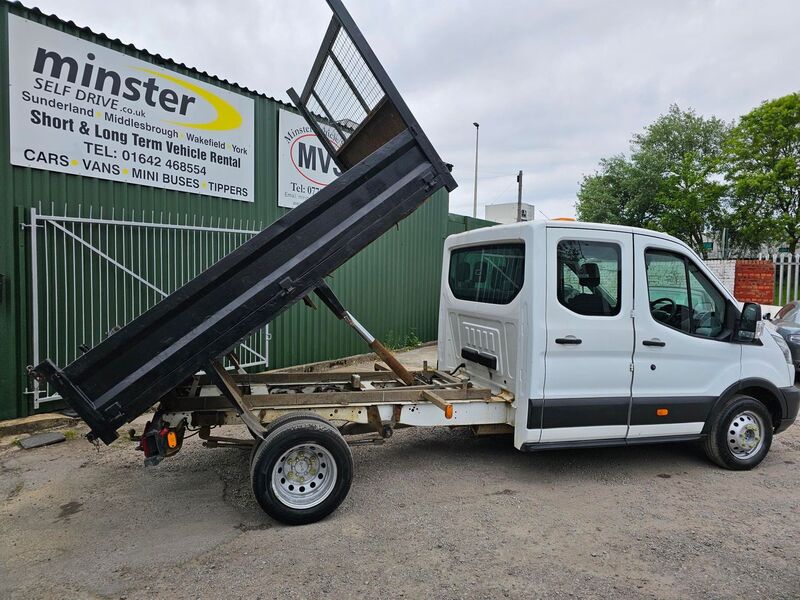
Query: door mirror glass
point(748, 322)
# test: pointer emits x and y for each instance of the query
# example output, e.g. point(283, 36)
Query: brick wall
point(755, 281)
point(725, 270)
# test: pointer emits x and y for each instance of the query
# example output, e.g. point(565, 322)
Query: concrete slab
point(42, 439)
point(35, 423)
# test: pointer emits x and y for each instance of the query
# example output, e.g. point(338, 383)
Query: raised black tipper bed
point(389, 168)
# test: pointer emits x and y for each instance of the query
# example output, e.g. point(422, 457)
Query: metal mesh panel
point(344, 90)
point(352, 62)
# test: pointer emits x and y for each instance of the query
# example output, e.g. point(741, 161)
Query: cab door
point(684, 358)
point(589, 334)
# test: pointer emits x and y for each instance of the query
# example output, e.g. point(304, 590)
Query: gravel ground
point(433, 513)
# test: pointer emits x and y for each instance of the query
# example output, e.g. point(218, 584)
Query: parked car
point(787, 323)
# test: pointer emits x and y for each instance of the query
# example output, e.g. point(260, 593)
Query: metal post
point(519, 196)
point(35, 304)
point(475, 195)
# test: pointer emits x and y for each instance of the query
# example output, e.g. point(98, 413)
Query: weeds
point(401, 342)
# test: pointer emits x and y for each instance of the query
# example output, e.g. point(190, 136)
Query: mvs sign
point(304, 166)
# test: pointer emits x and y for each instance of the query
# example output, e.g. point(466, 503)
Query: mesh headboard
point(343, 89)
point(349, 100)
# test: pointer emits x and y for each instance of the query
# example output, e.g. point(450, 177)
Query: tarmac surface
point(433, 513)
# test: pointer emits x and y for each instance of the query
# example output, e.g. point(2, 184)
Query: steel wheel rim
point(304, 475)
point(745, 435)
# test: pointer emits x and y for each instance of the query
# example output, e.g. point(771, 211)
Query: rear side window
point(589, 277)
point(492, 274)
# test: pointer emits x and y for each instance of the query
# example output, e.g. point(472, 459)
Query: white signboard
point(80, 108)
point(304, 166)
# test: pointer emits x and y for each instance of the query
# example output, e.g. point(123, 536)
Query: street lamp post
point(475, 194)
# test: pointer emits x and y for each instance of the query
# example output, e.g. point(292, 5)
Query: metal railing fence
point(94, 271)
point(787, 276)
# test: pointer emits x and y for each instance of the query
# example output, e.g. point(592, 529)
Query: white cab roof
point(535, 226)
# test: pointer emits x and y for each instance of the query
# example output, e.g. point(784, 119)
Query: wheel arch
point(761, 389)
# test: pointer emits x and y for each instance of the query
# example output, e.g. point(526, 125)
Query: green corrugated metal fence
point(392, 287)
point(462, 223)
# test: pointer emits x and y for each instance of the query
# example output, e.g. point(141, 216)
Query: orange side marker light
point(662, 412)
point(172, 440)
point(448, 411)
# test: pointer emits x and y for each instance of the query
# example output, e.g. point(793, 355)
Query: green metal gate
point(91, 274)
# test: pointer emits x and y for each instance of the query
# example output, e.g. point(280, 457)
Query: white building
point(506, 212)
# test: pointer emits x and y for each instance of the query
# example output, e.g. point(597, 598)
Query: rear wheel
point(302, 472)
point(273, 425)
point(741, 434)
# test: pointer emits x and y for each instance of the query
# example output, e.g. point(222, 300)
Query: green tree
point(618, 193)
point(683, 152)
point(672, 181)
point(763, 165)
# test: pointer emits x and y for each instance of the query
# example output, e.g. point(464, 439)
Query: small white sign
point(304, 166)
point(80, 108)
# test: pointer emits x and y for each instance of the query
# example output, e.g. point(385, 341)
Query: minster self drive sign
point(80, 108)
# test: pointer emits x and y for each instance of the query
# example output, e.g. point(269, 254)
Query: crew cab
point(611, 335)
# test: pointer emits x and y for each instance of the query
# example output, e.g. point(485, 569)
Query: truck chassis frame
point(363, 402)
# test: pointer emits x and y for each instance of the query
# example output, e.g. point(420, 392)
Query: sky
point(556, 85)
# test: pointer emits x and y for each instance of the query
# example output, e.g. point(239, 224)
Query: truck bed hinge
point(631, 367)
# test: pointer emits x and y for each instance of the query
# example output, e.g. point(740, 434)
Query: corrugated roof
point(162, 60)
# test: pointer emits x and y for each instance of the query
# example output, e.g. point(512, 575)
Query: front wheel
point(740, 435)
point(302, 472)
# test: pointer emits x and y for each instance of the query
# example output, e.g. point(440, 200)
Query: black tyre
point(740, 435)
point(273, 425)
point(302, 472)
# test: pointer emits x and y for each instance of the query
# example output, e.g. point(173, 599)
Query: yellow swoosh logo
point(227, 116)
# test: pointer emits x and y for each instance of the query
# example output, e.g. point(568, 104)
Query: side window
point(589, 277)
point(682, 297)
point(708, 305)
point(493, 274)
point(668, 289)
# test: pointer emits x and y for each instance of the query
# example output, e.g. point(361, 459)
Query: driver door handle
point(569, 340)
point(655, 342)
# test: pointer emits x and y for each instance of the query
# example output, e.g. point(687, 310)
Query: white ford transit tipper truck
point(563, 334)
point(612, 335)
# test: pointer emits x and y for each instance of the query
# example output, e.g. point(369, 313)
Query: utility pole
point(519, 196)
point(475, 195)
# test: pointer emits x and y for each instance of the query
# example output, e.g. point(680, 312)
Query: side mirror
point(767, 317)
point(747, 324)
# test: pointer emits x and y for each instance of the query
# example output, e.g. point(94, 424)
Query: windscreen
point(491, 274)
